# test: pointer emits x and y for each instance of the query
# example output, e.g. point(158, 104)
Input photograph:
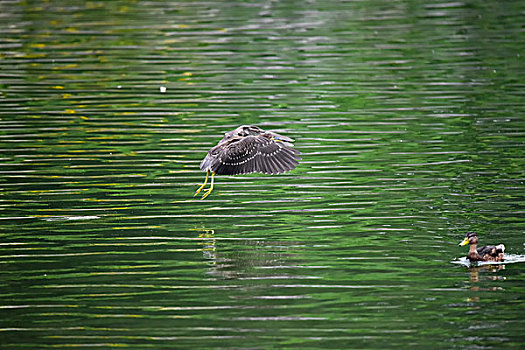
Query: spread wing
point(253, 153)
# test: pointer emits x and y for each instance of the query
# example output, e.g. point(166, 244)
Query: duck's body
point(485, 253)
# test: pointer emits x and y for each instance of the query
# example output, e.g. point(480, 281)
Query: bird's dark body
point(486, 253)
point(489, 252)
point(249, 149)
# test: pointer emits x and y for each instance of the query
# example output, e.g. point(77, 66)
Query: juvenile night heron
point(249, 149)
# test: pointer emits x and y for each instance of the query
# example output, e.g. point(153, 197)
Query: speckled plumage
point(249, 149)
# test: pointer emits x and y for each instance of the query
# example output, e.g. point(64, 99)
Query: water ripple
point(408, 119)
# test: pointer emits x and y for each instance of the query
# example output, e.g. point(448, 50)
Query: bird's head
point(243, 131)
point(246, 130)
point(470, 238)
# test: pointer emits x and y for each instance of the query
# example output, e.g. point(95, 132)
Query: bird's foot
point(199, 190)
point(204, 184)
point(207, 193)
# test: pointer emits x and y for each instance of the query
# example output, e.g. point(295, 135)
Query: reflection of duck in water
point(486, 253)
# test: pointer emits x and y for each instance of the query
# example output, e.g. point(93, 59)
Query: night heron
point(249, 149)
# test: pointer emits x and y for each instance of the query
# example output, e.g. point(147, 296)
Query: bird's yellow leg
point(208, 191)
point(204, 184)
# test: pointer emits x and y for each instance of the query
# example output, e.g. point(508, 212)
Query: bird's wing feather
point(491, 250)
point(237, 156)
point(485, 250)
point(275, 157)
point(253, 153)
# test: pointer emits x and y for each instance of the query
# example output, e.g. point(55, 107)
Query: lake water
point(410, 119)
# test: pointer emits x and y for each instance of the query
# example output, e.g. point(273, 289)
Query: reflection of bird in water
point(246, 150)
point(208, 243)
point(486, 253)
point(475, 271)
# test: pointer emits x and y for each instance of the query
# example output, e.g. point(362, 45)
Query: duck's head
point(470, 238)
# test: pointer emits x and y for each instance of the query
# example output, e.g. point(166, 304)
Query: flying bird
point(249, 149)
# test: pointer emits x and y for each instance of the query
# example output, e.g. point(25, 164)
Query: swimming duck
point(486, 253)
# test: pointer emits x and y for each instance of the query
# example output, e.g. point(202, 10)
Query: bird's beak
point(278, 137)
point(283, 138)
point(464, 242)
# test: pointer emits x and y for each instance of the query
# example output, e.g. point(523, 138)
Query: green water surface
point(410, 119)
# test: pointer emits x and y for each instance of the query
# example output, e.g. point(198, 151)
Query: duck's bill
point(465, 241)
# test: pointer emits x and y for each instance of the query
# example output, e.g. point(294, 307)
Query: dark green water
point(410, 119)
